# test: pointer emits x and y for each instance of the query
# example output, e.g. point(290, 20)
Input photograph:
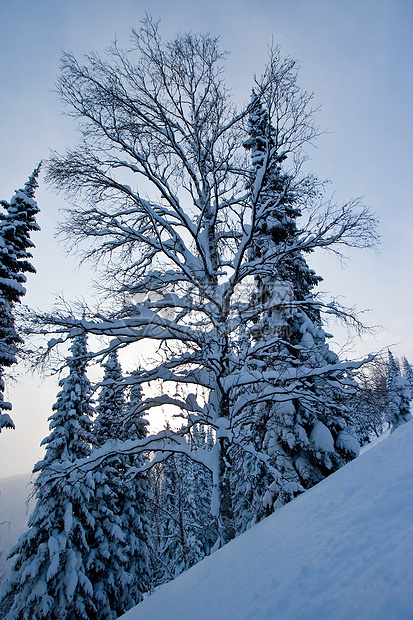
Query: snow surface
point(342, 550)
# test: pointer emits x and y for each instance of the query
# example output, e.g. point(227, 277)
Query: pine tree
point(408, 374)
point(119, 568)
point(135, 501)
point(303, 429)
point(111, 403)
point(16, 224)
point(108, 558)
point(399, 397)
point(49, 578)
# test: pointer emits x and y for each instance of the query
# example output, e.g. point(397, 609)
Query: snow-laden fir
point(49, 577)
point(399, 396)
point(17, 221)
point(343, 549)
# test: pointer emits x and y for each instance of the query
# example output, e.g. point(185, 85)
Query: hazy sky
point(356, 55)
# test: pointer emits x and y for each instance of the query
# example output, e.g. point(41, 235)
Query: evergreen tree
point(303, 429)
point(408, 374)
point(111, 403)
point(49, 578)
point(134, 502)
point(108, 558)
point(16, 223)
point(399, 397)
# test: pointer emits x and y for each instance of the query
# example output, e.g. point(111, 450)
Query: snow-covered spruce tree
point(134, 502)
point(16, 223)
point(49, 578)
point(179, 258)
point(110, 407)
point(398, 396)
point(108, 561)
point(408, 374)
point(304, 428)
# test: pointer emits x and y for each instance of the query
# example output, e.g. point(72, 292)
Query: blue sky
point(356, 55)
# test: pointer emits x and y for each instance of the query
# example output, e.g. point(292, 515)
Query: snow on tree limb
point(203, 247)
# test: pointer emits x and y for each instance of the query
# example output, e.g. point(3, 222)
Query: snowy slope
point(343, 550)
point(14, 514)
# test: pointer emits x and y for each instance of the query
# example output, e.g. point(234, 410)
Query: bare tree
point(370, 401)
point(167, 206)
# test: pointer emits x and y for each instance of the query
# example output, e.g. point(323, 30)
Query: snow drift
point(342, 550)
